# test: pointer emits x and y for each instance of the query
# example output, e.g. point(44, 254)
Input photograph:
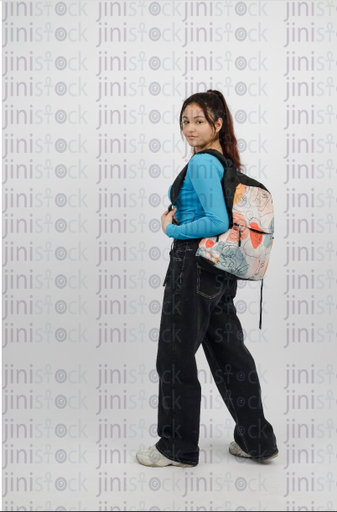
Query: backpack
point(244, 249)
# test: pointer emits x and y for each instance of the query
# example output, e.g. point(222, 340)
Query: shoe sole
point(250, 457)
point(154, 465)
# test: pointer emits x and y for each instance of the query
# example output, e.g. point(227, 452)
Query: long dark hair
point(214, 106)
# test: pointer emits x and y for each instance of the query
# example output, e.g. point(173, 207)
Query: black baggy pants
point(198, 309)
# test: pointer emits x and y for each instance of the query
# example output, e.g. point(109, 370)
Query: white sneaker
point(235, 449)
point(153, 458)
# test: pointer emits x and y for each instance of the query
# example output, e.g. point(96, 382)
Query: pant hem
point(175, 460)
point(267, 456)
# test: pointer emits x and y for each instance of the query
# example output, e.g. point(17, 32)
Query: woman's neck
point(216, 148)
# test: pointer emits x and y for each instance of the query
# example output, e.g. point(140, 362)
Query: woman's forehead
point(193, 110)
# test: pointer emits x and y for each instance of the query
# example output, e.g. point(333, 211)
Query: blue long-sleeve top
point(201, 208)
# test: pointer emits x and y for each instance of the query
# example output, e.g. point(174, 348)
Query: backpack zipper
point(239, 233)
point(252, 229)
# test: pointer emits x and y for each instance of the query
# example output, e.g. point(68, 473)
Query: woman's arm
point(205, 173)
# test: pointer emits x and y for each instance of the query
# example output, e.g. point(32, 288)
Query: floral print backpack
point(244, 249)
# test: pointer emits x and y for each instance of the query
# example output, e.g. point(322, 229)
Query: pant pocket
point(209, 285)
point(178, 253)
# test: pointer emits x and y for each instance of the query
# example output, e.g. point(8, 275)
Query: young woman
point(198, 307)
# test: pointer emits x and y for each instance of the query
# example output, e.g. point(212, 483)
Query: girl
point(198, 307)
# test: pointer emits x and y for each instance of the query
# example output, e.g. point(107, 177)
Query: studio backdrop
point(91, 98)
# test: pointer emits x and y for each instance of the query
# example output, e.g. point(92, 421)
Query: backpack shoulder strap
point(226, 162)
point(176, 186)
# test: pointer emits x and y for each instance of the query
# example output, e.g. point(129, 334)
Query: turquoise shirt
point(201, 208)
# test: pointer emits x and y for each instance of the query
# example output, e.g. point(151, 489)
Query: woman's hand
point(166, 218)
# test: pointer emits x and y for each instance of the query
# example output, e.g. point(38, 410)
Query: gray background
point(53, 403)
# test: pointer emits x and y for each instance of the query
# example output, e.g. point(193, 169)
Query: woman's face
point(195, 124)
